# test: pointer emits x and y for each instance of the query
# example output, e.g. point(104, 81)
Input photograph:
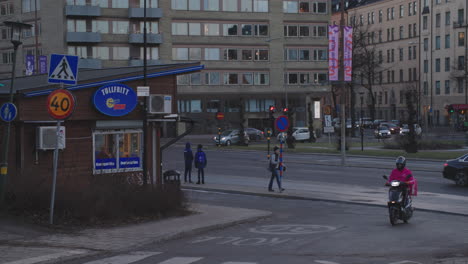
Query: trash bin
point(172, 177)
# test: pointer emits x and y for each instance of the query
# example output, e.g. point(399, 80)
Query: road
point(315, 168)
point(307, 232)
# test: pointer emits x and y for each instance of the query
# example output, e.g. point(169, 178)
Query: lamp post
point(16, 30)
point(361, 126)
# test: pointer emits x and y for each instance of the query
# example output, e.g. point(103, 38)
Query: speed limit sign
point(60, 104)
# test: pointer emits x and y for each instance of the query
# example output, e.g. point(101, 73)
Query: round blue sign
point(115, 99)
point(282, 123)
point(8, 112)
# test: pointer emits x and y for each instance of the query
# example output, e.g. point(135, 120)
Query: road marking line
point(406, 261)
point(326, 262)
point(125, 258)
point(180, 260)
point(230, 262)
point(48, 257)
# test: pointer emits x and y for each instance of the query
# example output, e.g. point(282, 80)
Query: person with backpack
point(188, 158)
point(274, 168)
point(200, 163)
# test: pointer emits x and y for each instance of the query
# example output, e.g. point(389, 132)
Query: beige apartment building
point(392, 32)
point(256, 53)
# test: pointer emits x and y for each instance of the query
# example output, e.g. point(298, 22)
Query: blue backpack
point(201, 158)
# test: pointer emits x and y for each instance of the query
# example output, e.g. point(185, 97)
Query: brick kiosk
point(96, 145)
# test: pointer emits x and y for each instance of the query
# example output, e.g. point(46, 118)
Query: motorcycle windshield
point(395, 195)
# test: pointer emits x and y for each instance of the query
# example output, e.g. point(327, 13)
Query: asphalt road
point(365, 171)
point(308, 232)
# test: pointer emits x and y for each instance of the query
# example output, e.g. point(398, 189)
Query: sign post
point(282, 125)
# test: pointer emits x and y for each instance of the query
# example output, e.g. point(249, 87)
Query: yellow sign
point(60, 104)
point(327, 110)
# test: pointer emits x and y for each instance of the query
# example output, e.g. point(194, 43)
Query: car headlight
point(223, 138)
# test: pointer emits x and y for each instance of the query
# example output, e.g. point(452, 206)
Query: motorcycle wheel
point(393, 215)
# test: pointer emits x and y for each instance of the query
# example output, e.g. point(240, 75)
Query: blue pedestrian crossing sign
point(63, 69)
point(8, 112)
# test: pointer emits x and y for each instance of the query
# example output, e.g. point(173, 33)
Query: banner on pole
point(333, 37)
point(29, 65)
point(348, 53)
point(42, 64)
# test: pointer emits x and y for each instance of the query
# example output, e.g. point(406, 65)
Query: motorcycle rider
point(401, 173)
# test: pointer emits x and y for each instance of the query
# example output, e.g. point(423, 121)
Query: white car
point(405, 129)
point(299, 134)
point(382, 132)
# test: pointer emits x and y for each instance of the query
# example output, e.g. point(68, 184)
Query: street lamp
point(16, 29)
point(361, 127)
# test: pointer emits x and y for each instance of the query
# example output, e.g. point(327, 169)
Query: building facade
point(257, 52)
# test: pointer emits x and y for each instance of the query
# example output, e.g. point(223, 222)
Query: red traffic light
point(285, 110)
point(272, 108)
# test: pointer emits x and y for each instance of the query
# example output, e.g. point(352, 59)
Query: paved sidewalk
point(22, 248)
point(377, 196)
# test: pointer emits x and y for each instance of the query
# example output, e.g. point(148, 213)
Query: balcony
point(150, 12)
point(89, 63)
point(459, 24)
point(139, 62)
point(84, 37)
point(82, 11)
point(151, 38)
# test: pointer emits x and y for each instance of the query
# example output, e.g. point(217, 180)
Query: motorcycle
point(399, 207)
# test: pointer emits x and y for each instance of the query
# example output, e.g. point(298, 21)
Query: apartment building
point(392, 32)
point(257, 53)
point(443, 59)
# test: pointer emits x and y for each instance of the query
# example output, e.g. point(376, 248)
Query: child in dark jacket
point(188, 158)
point(200, 164)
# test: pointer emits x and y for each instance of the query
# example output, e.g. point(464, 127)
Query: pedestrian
point(200, 163)
point(274, 167)
point(188, 158)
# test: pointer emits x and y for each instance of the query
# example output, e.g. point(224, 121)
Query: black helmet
point(401, 162)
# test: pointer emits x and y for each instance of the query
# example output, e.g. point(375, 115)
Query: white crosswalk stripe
point(180, 260)
point(230, 262)
point(47, 257)
point(125, 258)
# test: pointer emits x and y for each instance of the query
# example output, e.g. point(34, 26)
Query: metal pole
point(145, 117)
point(4, 164)
point(54, 179)
point(281, 160)
point(361, 128)
point(343, 87)
point(36, 33)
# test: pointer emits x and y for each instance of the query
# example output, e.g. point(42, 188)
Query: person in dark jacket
point(188, 158)
point(275, 167)
point(200, 163)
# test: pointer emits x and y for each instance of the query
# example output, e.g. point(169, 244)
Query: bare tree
point(410, 142)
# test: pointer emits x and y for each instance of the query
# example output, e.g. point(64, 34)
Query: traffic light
point(450, 109)
point(272, 110)
point(285, 110)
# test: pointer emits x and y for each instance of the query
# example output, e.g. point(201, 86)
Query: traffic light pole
point(343, 88)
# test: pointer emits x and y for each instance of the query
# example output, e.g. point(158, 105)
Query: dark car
point(457, 170)
point(254, 134)
point(394, 129)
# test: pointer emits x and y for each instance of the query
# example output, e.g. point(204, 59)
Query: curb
point(296, 197)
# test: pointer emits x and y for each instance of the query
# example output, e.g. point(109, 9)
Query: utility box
point(46, 137)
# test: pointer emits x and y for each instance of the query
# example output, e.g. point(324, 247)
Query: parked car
point(299, 134)
point(377, 122)
point(457, 170)
point(405, 129)
point(229, 137)
point(382, 132)
point(394, 129)
point(367, 122)
point(254, 134)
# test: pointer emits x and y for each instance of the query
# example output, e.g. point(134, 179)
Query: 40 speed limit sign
point(60, 104)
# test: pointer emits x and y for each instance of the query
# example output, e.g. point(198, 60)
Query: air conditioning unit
point(46, 137)
point(160, 104)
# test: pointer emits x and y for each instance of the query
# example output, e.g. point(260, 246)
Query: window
point(261, 78)
point(230, 29)
point(194, 5)
point(304, 54)
point(320, 54)
point(290, 6)
point(212, 78)
point(304, 7)
point(180, 29)
point(195, 54)
point(461, 88)
point(447, 18)
point(120, 27)
point(231, 78)
point(149, 3)
point(426, 44)
point(76, 25)
point(179, 4)
point(100, 26)
point(151, 27)
point(117, 151)
point(230, 54)
point(447, 87)
point(247, 78)
point(291, 54)
point(437, 22)
point(6, 9)
point(320, 77)
point(212, 54)
point(461, 39)
point(180, 53)
point(409, 53)
point(102, 3)
point(437, 65)
point(401, 75)
point(437, 87)
point(409, 75)
point(80, 51)
point(211, 29)
point(260, 6)
point(247, 55)
point(261, 55)
point(461, 16)
point(402, 96)
point(401, 32)
point(380, 16)
point(120, 3)
point(290, 31)
point(211, 5)
point(212, 106)
point(447, 41)
point(189, 106)
point(261, 30)
point(304, 78)
point(320, 31)
point(410, 35)
point(101, 53)
point(410, 9)
point(437, 44)
point(120, 53)
point(447, 64)
point(195, 78)
point(425, 89)
point(380, 36)
point(292, 78)
point(426, 66)
point(183, 80)
point(393, 35)
point(230, 5)
point(401, 54)
point(380, 57)
point(415, 32)
point(402, 11)
point(393, 13)
point(388, 14)
point(30, 5)
point(415, 8)
point(152, 53)
point(320, 8)
point(393, 55)
point(246, 30)
point(194, 29)
point(304, 31)
point(414, 52)
point(424, 22)
point(461, 62)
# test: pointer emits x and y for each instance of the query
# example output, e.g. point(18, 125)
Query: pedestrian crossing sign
point(63, 69)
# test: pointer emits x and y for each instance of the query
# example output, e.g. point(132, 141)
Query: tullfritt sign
point(115, 99)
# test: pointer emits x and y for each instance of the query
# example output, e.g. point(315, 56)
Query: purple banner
point(333, 38)
point(42, 64)
point(29, 65)
point(348, 53)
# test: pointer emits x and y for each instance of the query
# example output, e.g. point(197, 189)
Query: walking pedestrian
point(274, 167)
point(200, 163)
point(188, 158)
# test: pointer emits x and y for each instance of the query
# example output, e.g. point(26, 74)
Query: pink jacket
point(401, 176)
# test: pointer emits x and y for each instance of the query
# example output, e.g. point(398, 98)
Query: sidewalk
point(308, 190)
point(20, 244)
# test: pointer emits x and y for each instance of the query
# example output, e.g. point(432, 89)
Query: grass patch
point(425, 144)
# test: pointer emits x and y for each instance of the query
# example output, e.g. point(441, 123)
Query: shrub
point(400, 141)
